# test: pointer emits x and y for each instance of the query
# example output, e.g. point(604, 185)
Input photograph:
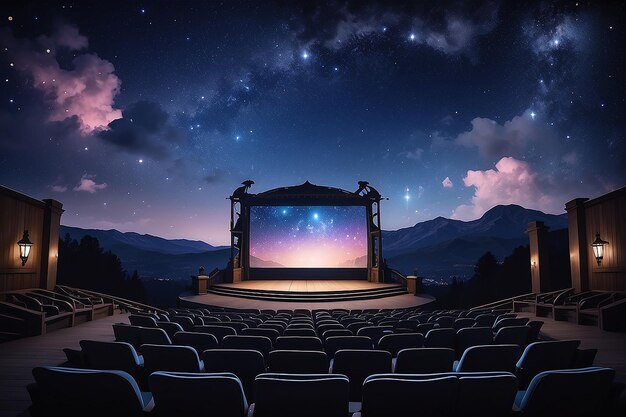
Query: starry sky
point(308, 236)
point(145, 115)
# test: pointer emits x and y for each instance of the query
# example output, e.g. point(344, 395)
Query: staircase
point(308, 296)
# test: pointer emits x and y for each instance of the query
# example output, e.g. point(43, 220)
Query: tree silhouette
point(87, 265)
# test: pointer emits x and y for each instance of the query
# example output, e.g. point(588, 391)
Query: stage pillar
point(578, 246)
point(237, 275)
point(539, 257)
point(411, 284)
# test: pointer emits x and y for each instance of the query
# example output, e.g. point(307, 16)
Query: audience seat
point(298, 362)
point(335, 343)
point(358, 365)
point(298, 343)
point(244, 363)
point(120, 356)
point(508, 322)
point(472, 336)
point(300, 332)
point(335, 332)
point(567, 392)
point(71, 392)
point(170, 328)
point(484, 358)
point(424, 360)
point(310, 395)
point(153, 336)
point(394, 343)
point(441, 338)
point(272, 334)
point(127, 333)
point(199, 341)
point(171, 358)
point(259, 343)
point(218, 331)
point(545, 356)
point(198, 395)
point(517, 335)
point(375, 332)
point(144, 321)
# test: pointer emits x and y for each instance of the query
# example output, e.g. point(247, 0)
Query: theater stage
point(309, 294)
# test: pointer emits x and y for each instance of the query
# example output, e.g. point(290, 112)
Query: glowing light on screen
point(308, 237)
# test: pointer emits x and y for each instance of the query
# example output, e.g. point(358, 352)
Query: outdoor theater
point(307, 319)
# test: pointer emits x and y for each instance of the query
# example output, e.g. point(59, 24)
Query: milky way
point(145, 116)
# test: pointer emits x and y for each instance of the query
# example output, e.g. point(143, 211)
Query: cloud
point(447, 183)
point(144, 129)
point(415, 155)
point(512, 138)
point(512, 182)
point(84, 91)
point(59, 188)
point(88, 185)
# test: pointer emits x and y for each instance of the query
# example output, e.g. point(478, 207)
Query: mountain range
point(437, 248)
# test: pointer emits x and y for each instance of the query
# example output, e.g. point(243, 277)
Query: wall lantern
point(25, 244)
point(598, 248)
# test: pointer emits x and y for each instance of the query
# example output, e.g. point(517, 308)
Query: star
point(305, 55)
point(532, 115)
point(412, 36)
point(140, 161)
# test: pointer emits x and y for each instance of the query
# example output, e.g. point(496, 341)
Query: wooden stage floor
point(308, 285)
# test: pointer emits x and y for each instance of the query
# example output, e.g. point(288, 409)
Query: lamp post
point(25, 245)
point(598, 248)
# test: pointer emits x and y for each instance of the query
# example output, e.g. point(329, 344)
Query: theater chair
point(171, 358)
point(311, 395)
point(508, 322)
point(394, 343)
point(444, 394)
point(170, 328)
point(258, 343)
point(185, 394)
point(272, 334)
point(441, 338)
point(127, 333)
point(153, 336)
point(199, 341)
point(517, 335)
point(424, 360)
point(484, 358)
point(545, 356)
point(246, 364)
point(358, 365)
point(567, 392)
point(375, 332)
point(335, 343)
point(118, 356)
point(144, 321)
point(73, 392)
point(298, 362)
point(298, 343)
point(472, 336)
point(300, 332)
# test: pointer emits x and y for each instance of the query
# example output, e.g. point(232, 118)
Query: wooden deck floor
point(19, 357)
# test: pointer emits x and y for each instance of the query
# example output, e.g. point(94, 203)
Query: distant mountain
point(114, 240)
point(441, 247)
point(505, 222)
point(155, 257)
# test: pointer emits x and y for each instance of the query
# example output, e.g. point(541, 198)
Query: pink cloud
point(512, 182)
point(447, 183)
point(86, 91)
point(87, 184)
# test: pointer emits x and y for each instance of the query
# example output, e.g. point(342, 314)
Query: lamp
point(25, 244)
point(598, 248)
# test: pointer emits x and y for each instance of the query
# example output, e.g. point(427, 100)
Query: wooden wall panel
point(16, 215)
point(607, 216)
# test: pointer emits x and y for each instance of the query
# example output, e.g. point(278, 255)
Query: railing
point(400, 278)
point(122, 303)
point(505, 303)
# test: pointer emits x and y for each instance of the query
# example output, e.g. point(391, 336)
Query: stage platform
point(310, 294)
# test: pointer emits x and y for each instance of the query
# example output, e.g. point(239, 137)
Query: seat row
point(79, 392)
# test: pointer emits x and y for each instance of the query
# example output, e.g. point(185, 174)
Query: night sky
point(301, 237)
point(145, 116)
